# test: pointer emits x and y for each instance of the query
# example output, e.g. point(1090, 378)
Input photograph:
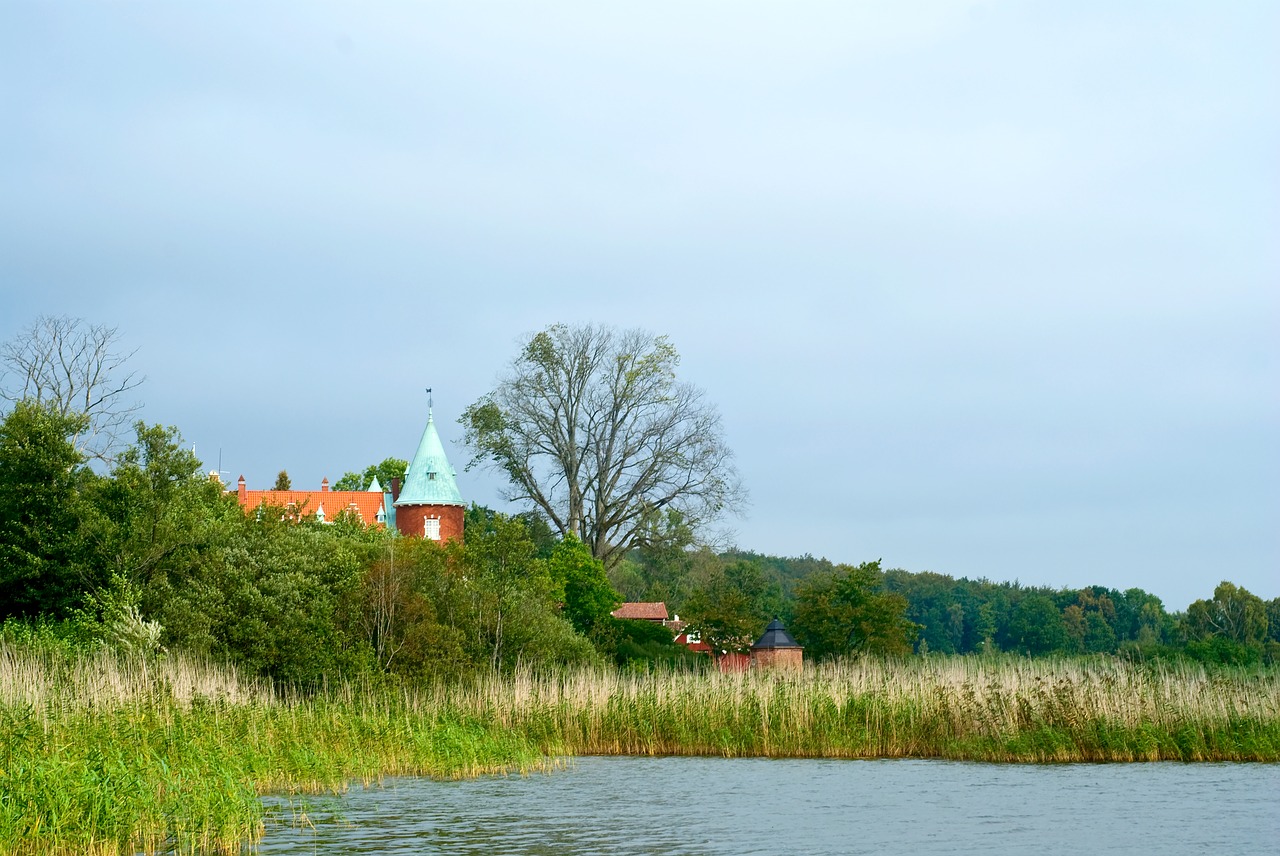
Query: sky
point(990, 289)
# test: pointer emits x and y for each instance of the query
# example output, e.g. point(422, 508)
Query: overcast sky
point(990, 289)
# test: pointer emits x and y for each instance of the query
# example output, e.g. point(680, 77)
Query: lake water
point(673, 806)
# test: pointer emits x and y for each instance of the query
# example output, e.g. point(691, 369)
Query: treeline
point(893, 611)
point(152, 555)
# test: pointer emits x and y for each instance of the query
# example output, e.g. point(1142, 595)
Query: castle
point(428, 505)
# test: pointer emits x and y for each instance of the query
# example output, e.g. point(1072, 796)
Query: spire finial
point(430, 401)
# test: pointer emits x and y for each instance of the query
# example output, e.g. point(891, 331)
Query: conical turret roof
point(430, 479)
point(776, 636)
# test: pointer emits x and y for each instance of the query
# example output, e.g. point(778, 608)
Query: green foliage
point(480, 519)
point(388, 470)
point(442, 611)
point(844, 611)
point(283, 482)
point(580, 581)
point(636, 644)
point(1036, 626)
point(45, 562)
point(1234, 613)
point(159, 515)
point(1224, 651)
point(731, 606)
point(969, 616)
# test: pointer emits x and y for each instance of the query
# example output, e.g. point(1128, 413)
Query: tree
point(507, 578)
point(388, 470)
point(283, 481)
point(591, 427)
point(1234, 613)
point(41, 549)
point(1099, 636)
point(159, 507)
point(1036, 626)
point(730, 606)
point(587, 595)
point(842, 611)
point(71, 367)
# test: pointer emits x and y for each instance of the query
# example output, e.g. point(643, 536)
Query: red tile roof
point(644, 611)
point(365, 503)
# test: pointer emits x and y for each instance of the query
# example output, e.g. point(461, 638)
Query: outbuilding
point(776, 650)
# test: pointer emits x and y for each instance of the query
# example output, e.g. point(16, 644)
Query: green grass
point(112, 757)
point(99, 755)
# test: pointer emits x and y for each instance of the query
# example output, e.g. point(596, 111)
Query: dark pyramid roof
point(776, 636)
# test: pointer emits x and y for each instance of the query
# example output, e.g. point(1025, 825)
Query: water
point(676, 806)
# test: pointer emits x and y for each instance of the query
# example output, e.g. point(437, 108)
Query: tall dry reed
point(103, 755)
point(1003, 709)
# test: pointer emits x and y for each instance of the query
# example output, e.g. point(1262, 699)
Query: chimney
point(240, 490)
point(324, 485)
point(395, 489)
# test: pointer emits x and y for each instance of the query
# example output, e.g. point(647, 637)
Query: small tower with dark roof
point(429, 505)
point(776, 650)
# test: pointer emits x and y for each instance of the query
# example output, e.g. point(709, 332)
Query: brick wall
point(777, 659)
point(409, 520)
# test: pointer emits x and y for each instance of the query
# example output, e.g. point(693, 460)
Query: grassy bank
point(103, 756)
point(98, 754)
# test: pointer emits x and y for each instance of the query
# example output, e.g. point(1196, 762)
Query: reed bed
point(103, 755)
point(116, 756)
point(1004, 709)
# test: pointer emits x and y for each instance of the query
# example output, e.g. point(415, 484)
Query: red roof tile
point(645, 611)
point(365, 503)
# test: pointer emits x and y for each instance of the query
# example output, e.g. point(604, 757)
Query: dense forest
point(963, 616)
point(150, 554)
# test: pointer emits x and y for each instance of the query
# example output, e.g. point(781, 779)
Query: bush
point(1224, 651)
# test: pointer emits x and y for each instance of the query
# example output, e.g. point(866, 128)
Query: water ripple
point(712, 806)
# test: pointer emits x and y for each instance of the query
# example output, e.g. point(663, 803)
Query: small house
point(655, 612)
point(776, 650)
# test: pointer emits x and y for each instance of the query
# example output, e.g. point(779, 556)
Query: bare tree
point(73, 367)
point(591, 427)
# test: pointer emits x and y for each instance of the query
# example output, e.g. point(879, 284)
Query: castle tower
point(429, 505)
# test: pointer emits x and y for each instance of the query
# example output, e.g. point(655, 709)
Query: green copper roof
point(374, 487)
point(430, 479)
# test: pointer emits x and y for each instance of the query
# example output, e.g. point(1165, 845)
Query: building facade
point(428, 505)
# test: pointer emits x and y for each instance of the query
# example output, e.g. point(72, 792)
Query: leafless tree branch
point(592, 428)
point(74, 367)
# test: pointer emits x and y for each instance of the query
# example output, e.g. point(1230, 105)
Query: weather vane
point(430, 403)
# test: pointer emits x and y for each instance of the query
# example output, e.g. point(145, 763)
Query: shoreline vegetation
point(109, 754)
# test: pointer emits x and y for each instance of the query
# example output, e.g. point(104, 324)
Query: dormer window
point(382, 515)
point(320, 514)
